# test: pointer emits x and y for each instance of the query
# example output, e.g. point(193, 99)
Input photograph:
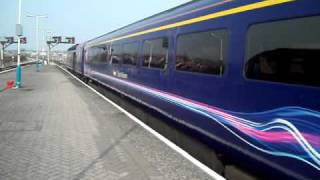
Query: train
point(242, 74)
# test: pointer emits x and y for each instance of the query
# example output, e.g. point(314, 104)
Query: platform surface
point(56, 128)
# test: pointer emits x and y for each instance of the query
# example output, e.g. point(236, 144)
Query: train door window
point(155, 53)
point(130, 53)
point(285, 51)
point(90, 54)
point(116, 53)
point(202, 52)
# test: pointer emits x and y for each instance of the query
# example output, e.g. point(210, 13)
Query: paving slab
point(56, 128)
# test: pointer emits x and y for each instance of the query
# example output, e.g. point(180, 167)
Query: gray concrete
point(55, 128)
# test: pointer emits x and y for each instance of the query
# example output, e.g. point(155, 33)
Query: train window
point(116, 53)
point(97, 55)
point(202, 52)
point(285, 51)
point(155, 53)
point(130, 53)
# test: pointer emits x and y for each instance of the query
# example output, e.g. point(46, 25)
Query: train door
point(129, 66)
point(115, 52)
point(97, 61)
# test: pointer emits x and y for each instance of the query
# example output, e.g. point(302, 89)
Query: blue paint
point(18, 76)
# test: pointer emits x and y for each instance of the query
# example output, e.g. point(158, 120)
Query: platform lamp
point(37, 17)
point(19, 34)
point(45, 39)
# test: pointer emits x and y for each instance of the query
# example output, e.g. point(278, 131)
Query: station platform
point(54, 127)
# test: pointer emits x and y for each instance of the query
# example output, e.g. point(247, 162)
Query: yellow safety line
point(236, 10)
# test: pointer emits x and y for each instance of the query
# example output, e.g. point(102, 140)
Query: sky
point(83, 19)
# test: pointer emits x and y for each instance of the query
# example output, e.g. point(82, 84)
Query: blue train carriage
point(78, 63)
point(244, 74)
point(70, 61)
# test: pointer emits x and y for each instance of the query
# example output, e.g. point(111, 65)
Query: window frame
point(137, 53)
point(244, 58)
point(225, 70)
point(121, 50)
point(91, 60)
point(93, 48)
point(167, 53)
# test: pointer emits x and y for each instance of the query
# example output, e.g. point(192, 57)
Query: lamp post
point(37, 17)
point(18, 33)
point(46, 35)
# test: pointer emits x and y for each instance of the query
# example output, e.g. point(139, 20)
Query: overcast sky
point(84, 19)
